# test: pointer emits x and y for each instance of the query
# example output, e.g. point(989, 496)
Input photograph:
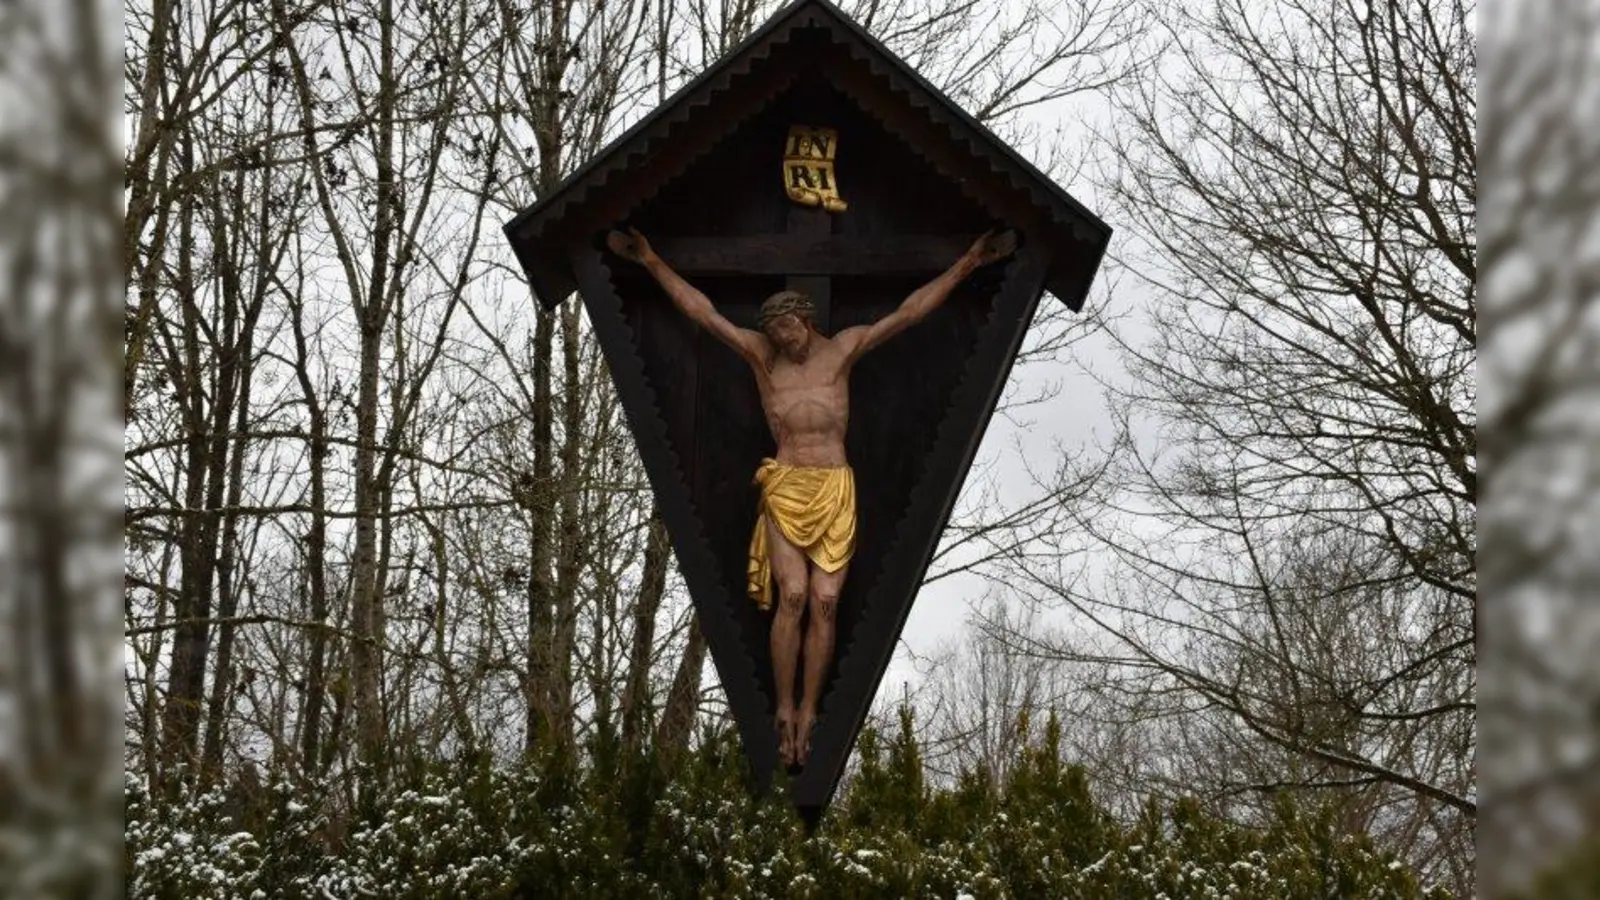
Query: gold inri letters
point(808, 167)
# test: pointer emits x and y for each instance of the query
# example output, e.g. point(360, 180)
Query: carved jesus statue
point(805, 530)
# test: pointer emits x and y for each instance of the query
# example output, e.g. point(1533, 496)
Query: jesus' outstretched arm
point(988, 248)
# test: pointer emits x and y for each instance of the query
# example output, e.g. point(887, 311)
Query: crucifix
point(805, 529)
point(701, 175)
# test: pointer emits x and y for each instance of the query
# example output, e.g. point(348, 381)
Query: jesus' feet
point(805, 723)
point(786, 737)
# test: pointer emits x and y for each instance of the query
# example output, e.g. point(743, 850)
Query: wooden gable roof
point(631, 168)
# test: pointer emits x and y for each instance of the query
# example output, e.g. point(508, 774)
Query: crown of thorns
point(785, 302)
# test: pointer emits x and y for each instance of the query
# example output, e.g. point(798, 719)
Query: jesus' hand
point(992, 246)
point(629, 246)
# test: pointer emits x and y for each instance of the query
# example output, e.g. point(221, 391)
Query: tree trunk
point(636, 711)
point(227, 590)
point(677, 721)
point(153, 144)
point(316, 553)
point(544, 622)
point(571, 550)
point(192, 634)
point(235, 373)
point(366, 654)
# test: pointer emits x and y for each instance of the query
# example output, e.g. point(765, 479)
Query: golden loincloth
point(814, 508)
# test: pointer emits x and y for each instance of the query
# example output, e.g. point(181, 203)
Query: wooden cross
point(812, 225)
point(809, 254)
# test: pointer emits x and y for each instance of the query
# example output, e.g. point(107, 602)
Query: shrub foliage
point(609, 828)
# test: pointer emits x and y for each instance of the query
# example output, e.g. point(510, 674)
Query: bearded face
point(791, 335)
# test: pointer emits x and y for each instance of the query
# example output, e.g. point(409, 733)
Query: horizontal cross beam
point(799, 254)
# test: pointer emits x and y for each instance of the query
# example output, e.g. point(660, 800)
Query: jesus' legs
point(789, 567)
point(824, 599)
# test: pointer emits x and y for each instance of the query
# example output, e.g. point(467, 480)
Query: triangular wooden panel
point(705, 168)
point(711, 417)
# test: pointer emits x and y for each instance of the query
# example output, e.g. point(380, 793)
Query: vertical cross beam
point(815, 223)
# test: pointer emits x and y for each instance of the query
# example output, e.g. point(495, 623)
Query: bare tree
point(241, 307)
point(1282, 560)
point(1540, 760)
point(60, 318)
point(1313, 234)
point(987, 697)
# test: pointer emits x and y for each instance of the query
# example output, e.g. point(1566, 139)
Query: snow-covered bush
point(186, 846)
point(620, 829)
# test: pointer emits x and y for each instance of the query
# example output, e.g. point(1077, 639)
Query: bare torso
point(807, 403)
